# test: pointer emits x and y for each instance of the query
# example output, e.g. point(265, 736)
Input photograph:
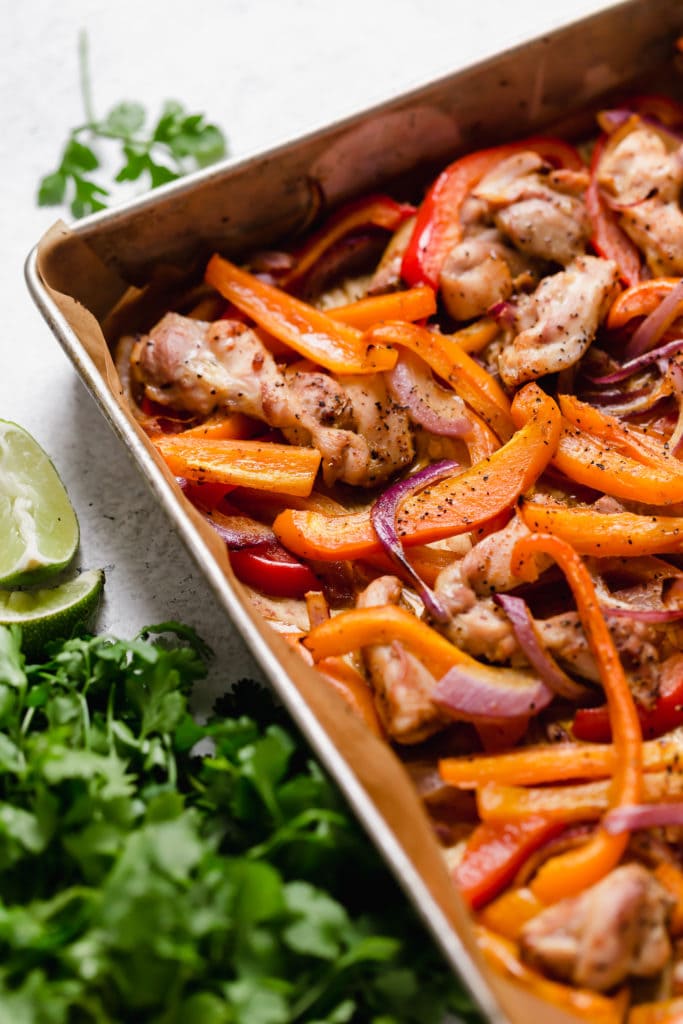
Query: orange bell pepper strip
point(585, 801)
point(354, 690)
point(311, 333)
point(666, 1011)
point(571, 873)
point(639, 300)
point(580, 1003)
point(508, 914)
point(413, 304)
point(555, 762)
point(362, 627)
point(438, 227)
point(456, 505)
point(477, 335)
point(588, 461)
point(628, 440)
point(605, 535)
point(284, 468)
point(224, 426)
point(448, 360)
point(671, 877)
point(373, 211)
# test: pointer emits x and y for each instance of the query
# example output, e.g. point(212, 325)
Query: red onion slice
point(643, 614)
point(239, 531)
point(384, 521)
point(439, 411)
point(475, 692)
point(633, 365)
point(653, 327)
point(637, 816)
point(674, 373)
point(536, 653)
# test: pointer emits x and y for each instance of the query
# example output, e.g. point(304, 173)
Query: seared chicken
point(645, 177)
point(555, 326)
point(401, 684)
point(615, 929)
point(537, 209)
point(479, 272)
point(362, 434)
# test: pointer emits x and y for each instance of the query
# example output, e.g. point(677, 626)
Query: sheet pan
point(79, 276)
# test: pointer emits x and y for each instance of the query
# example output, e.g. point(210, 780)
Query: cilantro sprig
point(139, 882)
point(154, 154)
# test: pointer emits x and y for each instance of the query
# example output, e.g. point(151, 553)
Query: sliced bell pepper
point(508, 914)
point(448, 360)
point(413, 304)
point(609, 241)
point(671, 877)
point(268, 567)
point(579, 1003)
point(456, 505)
point(664, 109)
point(628, 440)
point(311, 333)
point(570, 873)
point(593, 724)
point(476, 336)
point(284, 468)
point(588, 461)
point(351, 686)
point(606, 535)
point(363, 627)
point(494, 853)
point(639, 300)
point(554, 762)
point(586, 801)
point(664, 1011)
point(377, 211)
point(224, 426)
point(438, 228)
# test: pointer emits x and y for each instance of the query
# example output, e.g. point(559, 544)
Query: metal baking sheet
point(239, 205)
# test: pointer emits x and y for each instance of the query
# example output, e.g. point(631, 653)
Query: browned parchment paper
point(89, 294)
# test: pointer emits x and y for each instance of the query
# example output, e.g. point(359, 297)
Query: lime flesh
point(38, 525)
point(53, 611)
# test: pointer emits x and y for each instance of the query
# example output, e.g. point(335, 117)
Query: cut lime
point(38, 526)
point(53, 611)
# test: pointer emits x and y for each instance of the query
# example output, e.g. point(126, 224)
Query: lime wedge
point(53, 611)
point(38, 526)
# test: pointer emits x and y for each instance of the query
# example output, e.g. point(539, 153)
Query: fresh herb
point(139, 882)
point(178, 143)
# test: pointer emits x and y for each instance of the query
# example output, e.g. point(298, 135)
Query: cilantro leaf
point(139, 882)
point(177, 143)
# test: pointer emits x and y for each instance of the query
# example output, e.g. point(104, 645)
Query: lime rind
point(37, 521)
point(52, 612)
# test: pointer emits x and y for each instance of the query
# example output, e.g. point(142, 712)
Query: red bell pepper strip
point(608, 240)
point(268, 567)
point(373, 211)
point(593, 724)
point(494, 854)
point(437, 227)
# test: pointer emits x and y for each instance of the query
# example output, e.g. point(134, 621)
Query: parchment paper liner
point(69, 267)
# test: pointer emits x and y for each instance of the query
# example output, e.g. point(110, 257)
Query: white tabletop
point(265, 71)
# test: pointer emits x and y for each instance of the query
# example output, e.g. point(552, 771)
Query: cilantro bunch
point(141, 883)
point(177, 143)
